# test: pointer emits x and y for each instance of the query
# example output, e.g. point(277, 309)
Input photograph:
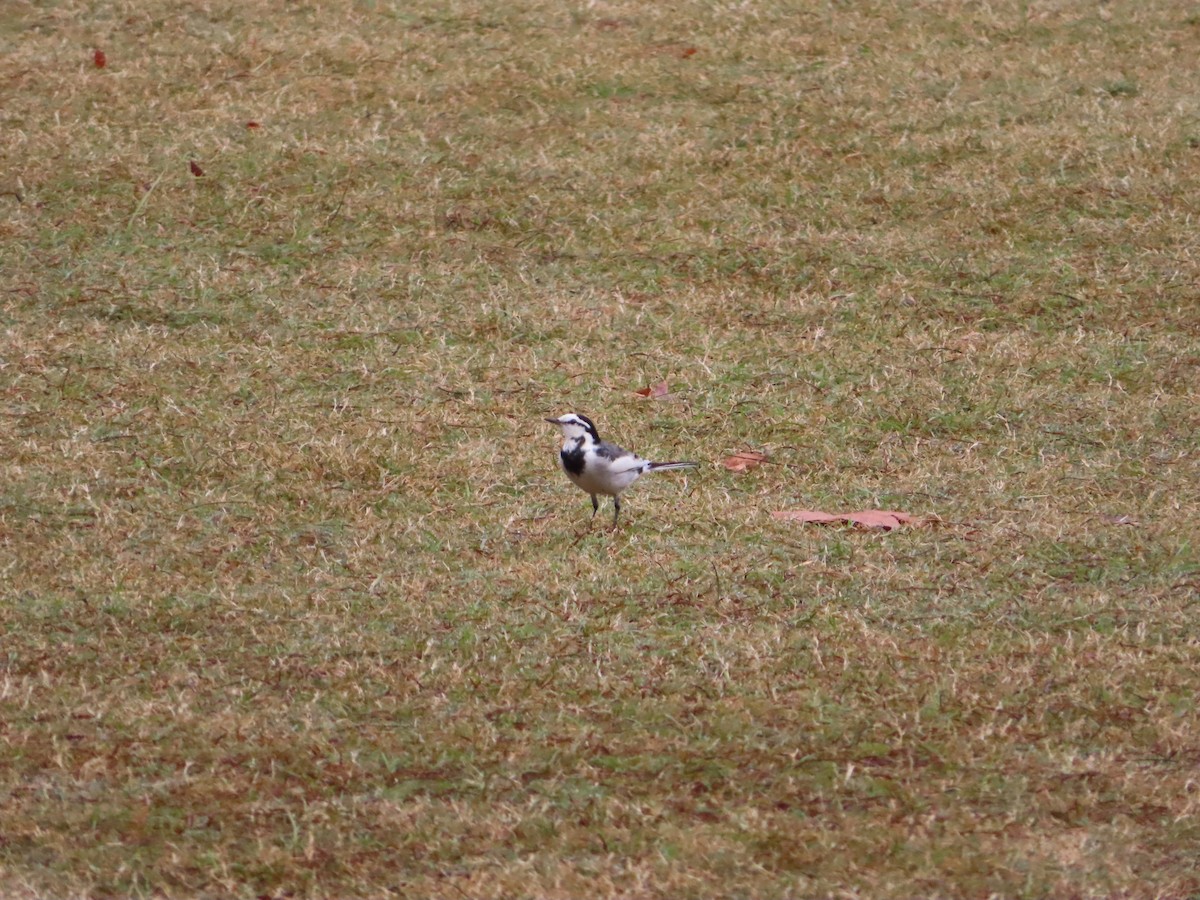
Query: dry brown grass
point(294, 602)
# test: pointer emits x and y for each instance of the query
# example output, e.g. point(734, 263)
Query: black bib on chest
point(572, 460)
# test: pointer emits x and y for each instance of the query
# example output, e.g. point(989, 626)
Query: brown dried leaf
point(880, 518)
point(196, 170)
point(658, 390)
point(807, 515)
point(867, 518)
point(743, 460)
point(99, 59)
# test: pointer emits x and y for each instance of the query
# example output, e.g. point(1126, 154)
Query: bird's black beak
point(554, 421)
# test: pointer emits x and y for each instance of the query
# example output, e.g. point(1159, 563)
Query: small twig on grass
point(447, 875)
point(337, 209)
point(141, 207)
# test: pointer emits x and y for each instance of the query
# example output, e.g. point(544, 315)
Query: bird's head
point(575, 425)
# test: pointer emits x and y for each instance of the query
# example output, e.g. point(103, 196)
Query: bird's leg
point(595, 506)
point(616, 510)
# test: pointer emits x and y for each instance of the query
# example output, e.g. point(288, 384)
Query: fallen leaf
point(880, 518)
point(807, 515)
point(743, 460)
point(867, 518)
point(659, 390)
point(99, 58)
point(686, 52)
point(253, 125)
point(196, 170)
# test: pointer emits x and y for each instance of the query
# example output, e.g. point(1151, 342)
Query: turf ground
point(294, 602)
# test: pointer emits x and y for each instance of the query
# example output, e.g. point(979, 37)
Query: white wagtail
point(601, 467)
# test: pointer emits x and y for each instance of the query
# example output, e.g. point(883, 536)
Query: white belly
point(604, 479)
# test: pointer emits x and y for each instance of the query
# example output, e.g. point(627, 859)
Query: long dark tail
point(656, 467)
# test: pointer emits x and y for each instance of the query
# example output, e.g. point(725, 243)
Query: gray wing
point(619, 459)
point(611, 451)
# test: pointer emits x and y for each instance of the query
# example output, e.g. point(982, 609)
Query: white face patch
point(575, 426)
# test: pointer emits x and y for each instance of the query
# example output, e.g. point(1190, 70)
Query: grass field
point(294, 601)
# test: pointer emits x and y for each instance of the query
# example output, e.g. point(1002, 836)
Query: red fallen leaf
point(659, 390)
point(867, 518)
point(253, 125)
point(99, 59)
point(196, 170)
point(743, 460)
point(686, 52)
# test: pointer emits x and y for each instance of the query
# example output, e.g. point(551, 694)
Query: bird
point(601, 467)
